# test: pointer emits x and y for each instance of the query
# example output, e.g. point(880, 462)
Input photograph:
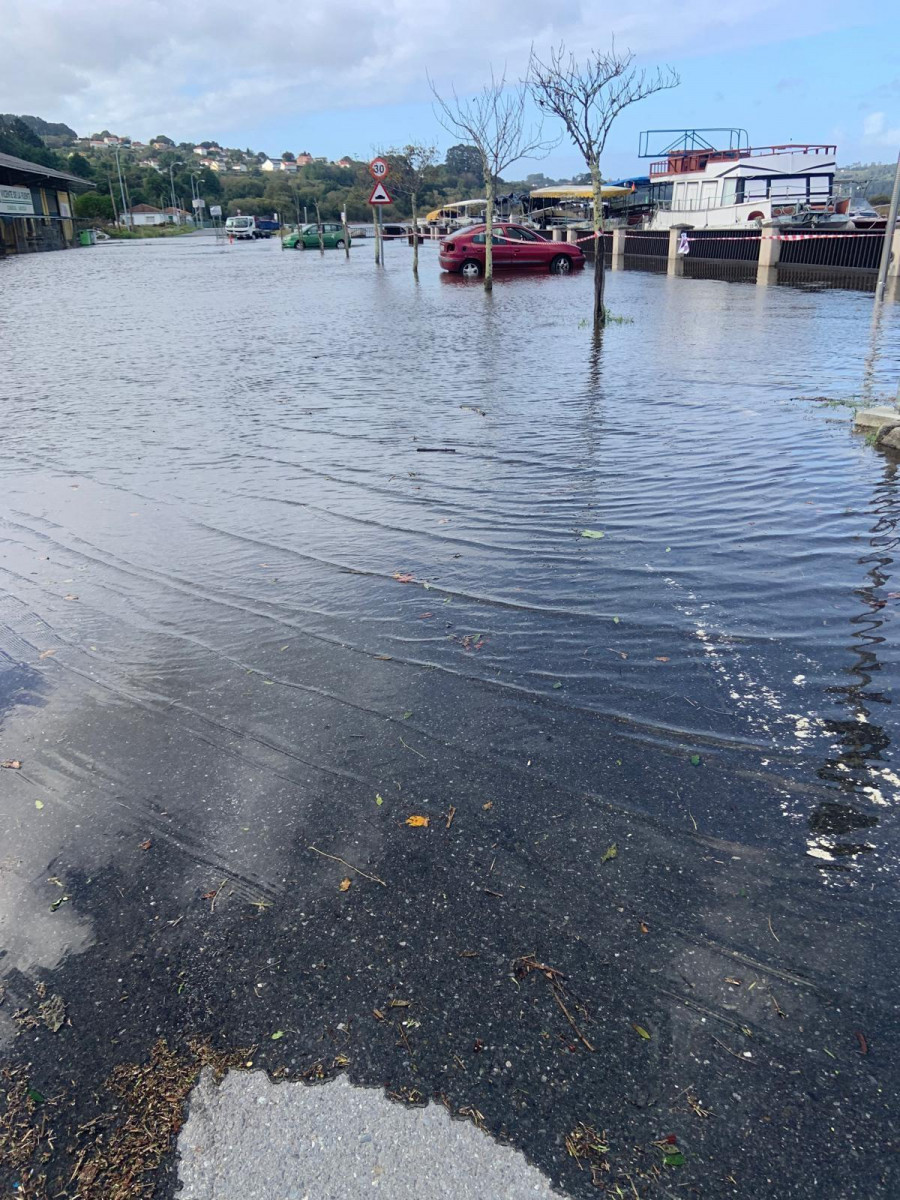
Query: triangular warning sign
point(379, 195)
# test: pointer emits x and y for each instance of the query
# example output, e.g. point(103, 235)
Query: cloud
point(189, 67)
point(876, 131)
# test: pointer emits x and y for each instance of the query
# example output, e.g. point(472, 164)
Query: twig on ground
point(350, 866)
point(414, 750)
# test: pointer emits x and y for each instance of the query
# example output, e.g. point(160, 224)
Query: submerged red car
point(513, 246)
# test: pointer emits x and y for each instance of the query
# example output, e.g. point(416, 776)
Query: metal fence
point(854, 251)
point(647, 244)
point(724, 244)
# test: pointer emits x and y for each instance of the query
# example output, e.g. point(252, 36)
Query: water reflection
point(857, 770)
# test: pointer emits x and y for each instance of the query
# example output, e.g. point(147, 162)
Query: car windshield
point(238, 222)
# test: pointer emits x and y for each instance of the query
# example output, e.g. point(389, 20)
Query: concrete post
point(618, 249)
point(675, 262)
point(893, 271)
point(572, 235)
point(769, 254)
point(558, 233)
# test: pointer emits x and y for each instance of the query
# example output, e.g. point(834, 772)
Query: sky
point(351, 76)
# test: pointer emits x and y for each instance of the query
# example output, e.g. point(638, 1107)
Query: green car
point(307, 237)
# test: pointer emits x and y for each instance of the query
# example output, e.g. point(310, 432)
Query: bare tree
point(410, 168)
point(587, 97)
point(493, 121)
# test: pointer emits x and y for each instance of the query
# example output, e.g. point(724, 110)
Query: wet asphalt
point(227, 703)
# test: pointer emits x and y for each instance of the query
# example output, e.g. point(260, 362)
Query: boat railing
point(683, 162)
point(826, 202)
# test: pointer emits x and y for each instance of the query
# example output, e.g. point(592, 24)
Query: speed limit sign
point(379, 169)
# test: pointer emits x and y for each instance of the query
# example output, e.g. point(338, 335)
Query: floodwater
point(292, 548)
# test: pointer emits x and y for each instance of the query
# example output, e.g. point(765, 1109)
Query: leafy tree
point(463, 160)
point(17, 139)
point(210, 182)
point(94, 206)
point(163, 140)
point(78, 165)
point(288, 157)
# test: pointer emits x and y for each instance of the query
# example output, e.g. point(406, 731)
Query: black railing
point(724, 244)
point(855, 251)
point(646, 244)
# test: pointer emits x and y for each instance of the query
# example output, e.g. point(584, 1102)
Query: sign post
point(379, 170)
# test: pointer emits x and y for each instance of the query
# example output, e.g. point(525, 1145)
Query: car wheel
point(470, 269)
point(301, 245)
point(561, 265)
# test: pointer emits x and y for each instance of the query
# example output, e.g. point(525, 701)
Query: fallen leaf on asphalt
point(279, 1033)
point(402, 577)
point(557, 685)
point(46, 653)
point(69, 596)
point(422, 616)
point(621, 653)
point(399, 1004)
point(378, 1014)
point(418, 822)
point(490, 804)
point(407, 714)
point(344, 885)
point(641, 1031)
point(732, 981)
point(610, 853)
point(53, 1013)
point(379, 799)
point(592, 533)
point(38, 804)
point(146, 845)
point(13, 764)
point(695, 760)
point(645, 928)
point(674, 1159)
point(661, 658)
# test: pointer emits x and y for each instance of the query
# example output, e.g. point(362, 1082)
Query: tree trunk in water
point(599, 260)
point(415, 224)
point(488, 232)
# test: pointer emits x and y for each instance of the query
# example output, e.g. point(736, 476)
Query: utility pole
point(129, 217)
point(175, 217)
point(888, 237)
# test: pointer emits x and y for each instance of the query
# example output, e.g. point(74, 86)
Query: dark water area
point(247, 608)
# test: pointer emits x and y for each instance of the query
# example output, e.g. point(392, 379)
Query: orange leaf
point(645, 928)
point(345, 885)
point(490, 804)
point(418, 822)
point(402, 577)
point(12, 763)
point(661, 658)
point(146, 845)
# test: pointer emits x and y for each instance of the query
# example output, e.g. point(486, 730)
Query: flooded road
point(293, 549)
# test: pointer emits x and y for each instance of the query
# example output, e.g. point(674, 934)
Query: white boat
point(696, 183)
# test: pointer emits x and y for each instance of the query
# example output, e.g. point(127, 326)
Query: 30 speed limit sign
point(379, 169)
